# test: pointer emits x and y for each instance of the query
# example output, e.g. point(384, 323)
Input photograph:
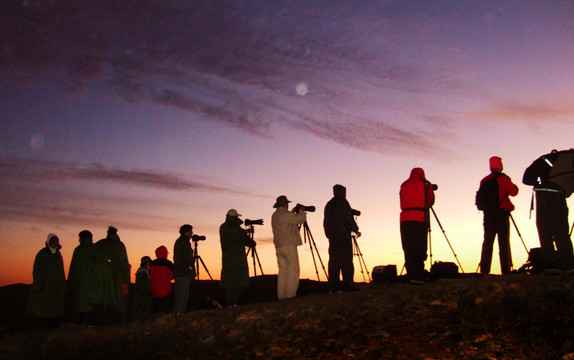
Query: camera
point(355, 212)
point(197, 237)
point(253, 222)
point(429, 184)
point(305, 208)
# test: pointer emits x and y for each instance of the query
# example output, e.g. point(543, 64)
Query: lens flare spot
point(37, 141)
point(302, 88)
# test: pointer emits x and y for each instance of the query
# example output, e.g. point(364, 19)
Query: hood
point(52, 250)
point(161, 252)
point(339, 191)
point(418, 172)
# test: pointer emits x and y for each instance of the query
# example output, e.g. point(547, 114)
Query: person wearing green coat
point(234, 268)
point(112, 276)
point(46, 299)
point(81, 279)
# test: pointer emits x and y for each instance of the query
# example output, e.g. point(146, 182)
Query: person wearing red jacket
point(161, 274)
point(416, 197)
point(496, 221)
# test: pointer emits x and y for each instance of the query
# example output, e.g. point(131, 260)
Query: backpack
point(487, 195)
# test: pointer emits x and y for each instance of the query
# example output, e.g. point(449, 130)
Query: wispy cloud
point(31, 170)
point(31, 191)
point(233, 62)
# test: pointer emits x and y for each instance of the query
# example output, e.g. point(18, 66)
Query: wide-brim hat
point(281, 200)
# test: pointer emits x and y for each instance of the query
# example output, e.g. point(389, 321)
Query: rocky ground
point(518, 316)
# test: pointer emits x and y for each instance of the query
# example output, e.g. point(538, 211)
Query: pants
point(181, 294)
point(552, 224)
point(496, 223)
point(414, 242)
point(341, 262)
point(288, 276)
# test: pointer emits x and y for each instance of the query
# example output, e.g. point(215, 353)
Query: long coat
point(112, 271)
point(81, 277)
point(143, 299)
point(46, 299)
point(234, 239)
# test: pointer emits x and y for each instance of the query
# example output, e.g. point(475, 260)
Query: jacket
point(338, 220)
point(183, 261)
point(506, 188)
point(234, 239)
point(112, 270)
point(161, 273)
point(81, 277)
point(285, 230)
point(46, 298)
point(416, 197)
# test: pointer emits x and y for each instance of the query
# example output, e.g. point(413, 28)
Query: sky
point(147, 115)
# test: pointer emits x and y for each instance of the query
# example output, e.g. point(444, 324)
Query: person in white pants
point(286, 238)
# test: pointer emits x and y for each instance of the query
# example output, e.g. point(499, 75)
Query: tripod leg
point(448, 242)
point(205, 267)
point(258, 262)
point(520, 235)
point(307, 234)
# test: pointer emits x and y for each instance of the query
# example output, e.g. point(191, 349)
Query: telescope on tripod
point(254, 256)
point(197, 258)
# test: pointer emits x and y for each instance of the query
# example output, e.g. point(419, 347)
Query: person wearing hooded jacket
point(497, 221)
point(81, 278)
point(46, 298)
point(161, 274)
point(143, 300)
point(234, 268)
point(112, 274)
point(416, 198)
point(339, 224)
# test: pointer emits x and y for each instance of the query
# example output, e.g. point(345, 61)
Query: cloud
point(31, 170)
point(238, 63)
point(36, 192)
point(533, 111)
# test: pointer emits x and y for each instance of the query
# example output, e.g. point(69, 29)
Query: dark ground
point(518, 316)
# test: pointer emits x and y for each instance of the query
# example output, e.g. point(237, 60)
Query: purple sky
point(147, 115)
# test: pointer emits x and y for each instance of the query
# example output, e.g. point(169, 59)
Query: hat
point(281, 200)
point(495, 163)
point(233, 212)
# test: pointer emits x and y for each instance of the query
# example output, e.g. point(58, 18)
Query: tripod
point(196, 260)
point(362, 265)
point(254, 255)
point(444, 233)
point(313, 247)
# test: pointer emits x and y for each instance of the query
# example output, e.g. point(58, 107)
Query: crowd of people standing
point(99, 274)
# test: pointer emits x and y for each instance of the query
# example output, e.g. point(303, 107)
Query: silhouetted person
point(234, 268)
point(339, 224)
point(112, 272)
point(46, 300)
point(183, 268)
point(143, 300)
point(81, 279)
point(551, 214)
point(416, 197)
point(496, 221)
point(161, 274)
point(286, 238)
